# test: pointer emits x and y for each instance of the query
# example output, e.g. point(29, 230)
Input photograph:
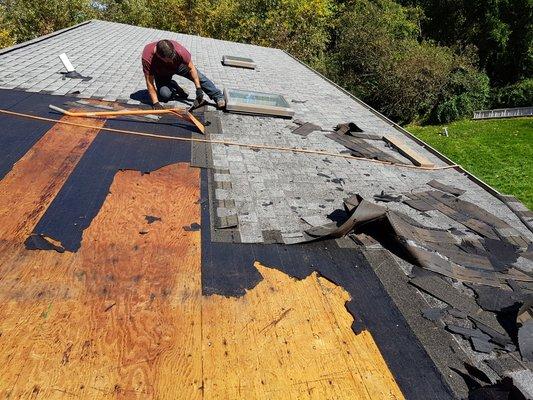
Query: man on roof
point(165, 58)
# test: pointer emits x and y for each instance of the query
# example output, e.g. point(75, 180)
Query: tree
point(298, 26)
point(502, 30)
point(379, 57)
point(30, 19)
point(6, 30)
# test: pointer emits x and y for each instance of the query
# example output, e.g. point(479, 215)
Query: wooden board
point(415, 157)
point(288, 339)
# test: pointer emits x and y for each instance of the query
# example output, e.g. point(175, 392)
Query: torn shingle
point(446, 188)
point(306, 128)
point(347, 128)
point(443, 291)
point(387, 197)
point(360, 148)
point(525, 330)
point(433, 314)
point(495, 299)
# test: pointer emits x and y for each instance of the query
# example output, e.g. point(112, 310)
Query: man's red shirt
point(153, 65)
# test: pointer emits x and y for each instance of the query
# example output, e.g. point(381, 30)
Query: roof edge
point(503, 198)
point(42, 38)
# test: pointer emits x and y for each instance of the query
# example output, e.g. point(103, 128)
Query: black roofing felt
point(85, 190)
point(19, 134)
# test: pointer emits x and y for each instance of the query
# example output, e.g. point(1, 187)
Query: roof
point(272, 194)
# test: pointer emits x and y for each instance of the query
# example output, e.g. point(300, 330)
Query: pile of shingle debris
point(485, 278)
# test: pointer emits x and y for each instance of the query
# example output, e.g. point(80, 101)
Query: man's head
point(165, 50)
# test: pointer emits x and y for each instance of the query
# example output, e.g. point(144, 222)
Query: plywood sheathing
point(82, 195)
point(124, 316)
point(119, 318)
point(33, 182)
point(289, 338)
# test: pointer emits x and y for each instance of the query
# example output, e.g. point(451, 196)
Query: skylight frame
point(235, 61)
point(234, 103)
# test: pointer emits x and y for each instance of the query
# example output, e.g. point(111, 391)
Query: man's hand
point(199, 97)
point(158, 106)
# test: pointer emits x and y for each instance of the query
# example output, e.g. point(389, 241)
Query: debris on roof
point(489, 262)
point(305, 128)
point(470, 215)
point(361, 148)
point(407, 151)
point(525, 329)
point(387, 197)
point(446, 188)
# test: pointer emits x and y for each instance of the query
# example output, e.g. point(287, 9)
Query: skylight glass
point(248, 102)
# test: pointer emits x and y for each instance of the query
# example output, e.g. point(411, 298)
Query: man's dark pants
point(167, 88)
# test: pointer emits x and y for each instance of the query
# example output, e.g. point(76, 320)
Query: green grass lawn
point(500, 152)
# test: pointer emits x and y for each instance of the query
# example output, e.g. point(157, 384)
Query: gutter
point(503, 198)
point(42, 38)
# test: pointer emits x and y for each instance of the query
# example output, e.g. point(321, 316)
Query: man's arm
point(196, 80)
point(152, 91)
point(194, 74)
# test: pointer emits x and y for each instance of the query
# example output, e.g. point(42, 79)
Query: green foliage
point(384, 52)
point(30, 19)
point(133, 12)
point(378, 57)
point(299, 26)
point(465, 91)
point(368, 38)
point(414, 81)
point(170, 15)
point(518, 95)
point(502, 30)
point(6, 30)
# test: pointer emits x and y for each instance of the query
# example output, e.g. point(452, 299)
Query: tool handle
point(58, 109)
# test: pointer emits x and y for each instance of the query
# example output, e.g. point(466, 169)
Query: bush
point(465, 91)
point(372, 39)
point(518, 95)
point(302, 27)
point(415, 80)
point(6, 31)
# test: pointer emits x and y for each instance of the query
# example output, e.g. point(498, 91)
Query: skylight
point(248, 102)
point(233, 61)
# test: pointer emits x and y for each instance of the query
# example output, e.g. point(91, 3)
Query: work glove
point(199, 97)
point(158, 106)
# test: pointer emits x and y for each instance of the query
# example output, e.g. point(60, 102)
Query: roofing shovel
point(179, 112)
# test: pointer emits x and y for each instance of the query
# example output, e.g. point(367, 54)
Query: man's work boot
point(221, 104)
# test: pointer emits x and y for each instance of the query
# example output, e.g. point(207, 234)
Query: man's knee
point(164, 93)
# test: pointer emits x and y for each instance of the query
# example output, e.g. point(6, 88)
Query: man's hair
point(165, 49)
